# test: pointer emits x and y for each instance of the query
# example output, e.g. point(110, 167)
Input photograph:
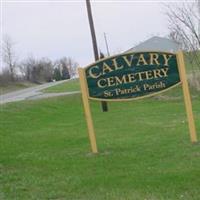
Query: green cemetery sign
point(131, 75)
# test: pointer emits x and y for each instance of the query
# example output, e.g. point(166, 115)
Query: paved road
point(47, 95)
point(31, 93)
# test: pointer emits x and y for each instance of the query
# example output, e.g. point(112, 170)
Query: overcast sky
point(55, 29)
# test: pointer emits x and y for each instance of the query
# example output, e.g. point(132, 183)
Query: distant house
point(158, 44)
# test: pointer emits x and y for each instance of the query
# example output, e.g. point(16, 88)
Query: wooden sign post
point(187, 98)
point(88, 114)
point(131, 76)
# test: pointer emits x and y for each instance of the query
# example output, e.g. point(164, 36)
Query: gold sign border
point(132, 98)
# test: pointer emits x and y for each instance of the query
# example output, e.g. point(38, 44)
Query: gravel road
point(32, 93)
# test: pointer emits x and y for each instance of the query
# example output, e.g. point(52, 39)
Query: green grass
point(10, 87)
point(189, 67)
point(144, 151)
point(71, 85)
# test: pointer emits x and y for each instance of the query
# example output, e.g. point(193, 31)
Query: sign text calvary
point(132, 75)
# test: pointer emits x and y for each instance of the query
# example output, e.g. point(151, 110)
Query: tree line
point(32, 69)
point(44, 70)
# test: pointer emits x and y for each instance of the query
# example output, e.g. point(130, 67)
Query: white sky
point(55, 29)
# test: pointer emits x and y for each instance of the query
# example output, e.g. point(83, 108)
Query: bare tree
point(5, 77)
point(72, 67)
point(26, 67)
point(184, 21)
point(183, 26)
point(37, 71)
point(9, 56)
point(68, 65)
point(46, 67)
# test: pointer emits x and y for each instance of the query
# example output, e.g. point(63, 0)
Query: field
point(71, 85)
point(144, 150)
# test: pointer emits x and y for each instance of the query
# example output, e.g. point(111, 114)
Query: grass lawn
point(71, 85)
point(189, 67)
point(145, 151)
point(10, 87)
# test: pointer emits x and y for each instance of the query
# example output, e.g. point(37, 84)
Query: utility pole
point(94, 43)
point(198, 4)
point(105, 38)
